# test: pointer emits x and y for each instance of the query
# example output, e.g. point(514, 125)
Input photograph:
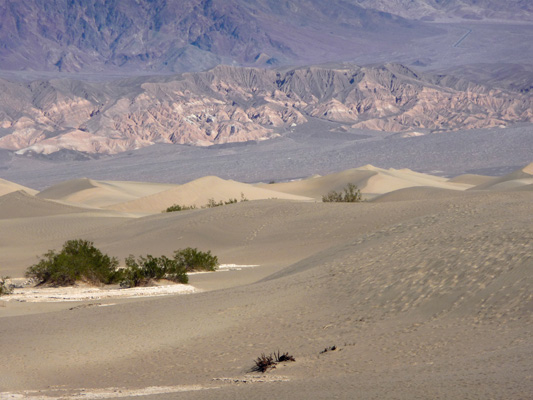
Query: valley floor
point(425, 292)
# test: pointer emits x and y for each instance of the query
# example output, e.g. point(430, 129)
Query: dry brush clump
point(331, 348)
point(264, 362)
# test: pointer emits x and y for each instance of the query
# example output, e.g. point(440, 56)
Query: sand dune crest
point(8, 187)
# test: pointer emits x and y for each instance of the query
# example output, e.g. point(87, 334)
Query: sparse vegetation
point(78, 260)
point(350, 194)
point(177, 207)
point(265, 362)
point(5, 287)
point(331, 348)
point(211, 203)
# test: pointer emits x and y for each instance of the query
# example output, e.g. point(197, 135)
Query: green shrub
point(177, 207)
point(350, 194)
point(5, 288)
point(78, 260)
point(142, 270)
point(195, 260)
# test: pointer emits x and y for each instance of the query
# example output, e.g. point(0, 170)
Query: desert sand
point(424, 290)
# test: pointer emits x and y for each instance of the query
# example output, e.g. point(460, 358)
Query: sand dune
point(198, 193)
point(394, 179)
point(8, 187)
point(514, 180)
point(425, 293)
point(101, 193)
point(317, 186)
point(369, 179)
point(22, 205)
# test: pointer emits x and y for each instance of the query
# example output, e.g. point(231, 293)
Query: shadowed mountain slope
point(178, 35)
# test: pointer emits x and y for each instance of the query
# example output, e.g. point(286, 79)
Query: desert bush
point(78, 260)
point(5, 287)
point(350, 194)
point(177, 207)
point(278, 357)
point(191, 259)
point(265, 362)
point(142, 270)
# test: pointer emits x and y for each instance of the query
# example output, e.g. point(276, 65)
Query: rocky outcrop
point(233, 104)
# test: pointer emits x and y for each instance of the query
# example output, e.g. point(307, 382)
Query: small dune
point(100, 193)
point(199, 192)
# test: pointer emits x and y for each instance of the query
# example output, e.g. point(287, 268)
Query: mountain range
point(235, 104)
point(102, 77)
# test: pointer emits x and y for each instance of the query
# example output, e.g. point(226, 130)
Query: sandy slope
point(418, 193)
point(20, 204)
point(429, 297)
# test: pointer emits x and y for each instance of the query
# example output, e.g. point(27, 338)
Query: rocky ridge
point(235, 104)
